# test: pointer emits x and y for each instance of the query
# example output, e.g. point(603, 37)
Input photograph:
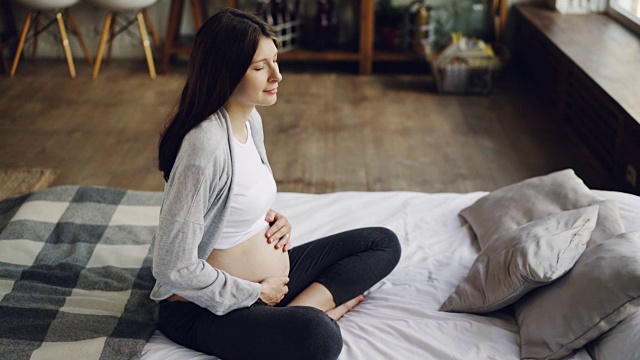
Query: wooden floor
point(328, 132)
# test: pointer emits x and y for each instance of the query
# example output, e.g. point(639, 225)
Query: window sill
point(585, 67)
point(601, 47)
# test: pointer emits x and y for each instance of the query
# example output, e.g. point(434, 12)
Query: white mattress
point(399, 318)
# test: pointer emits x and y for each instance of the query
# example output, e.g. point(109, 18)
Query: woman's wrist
point(260, 301)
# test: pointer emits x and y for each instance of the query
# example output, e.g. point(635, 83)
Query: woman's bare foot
point(338, 312)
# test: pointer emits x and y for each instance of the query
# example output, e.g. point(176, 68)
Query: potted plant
point(388, 18)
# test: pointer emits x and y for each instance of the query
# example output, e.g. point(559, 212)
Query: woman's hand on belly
point(273, 289)
point(279, 231)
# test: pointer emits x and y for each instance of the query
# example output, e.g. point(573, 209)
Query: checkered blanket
point(75, 273)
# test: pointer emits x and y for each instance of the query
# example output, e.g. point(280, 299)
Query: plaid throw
point(75, 273)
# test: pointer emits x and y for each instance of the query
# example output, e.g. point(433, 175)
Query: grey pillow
point(517, 204)
point(520, 260)
point(601, 290)
point(620, 343)
point(609, 223)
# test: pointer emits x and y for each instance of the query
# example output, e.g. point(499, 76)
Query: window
point(627, 11)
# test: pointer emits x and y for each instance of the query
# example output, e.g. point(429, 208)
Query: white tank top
point(253, 194)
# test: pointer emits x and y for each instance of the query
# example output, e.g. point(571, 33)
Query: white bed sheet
point(399, 318)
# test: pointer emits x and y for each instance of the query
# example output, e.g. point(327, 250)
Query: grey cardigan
point(193, 211)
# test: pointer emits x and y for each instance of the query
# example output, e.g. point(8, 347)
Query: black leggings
point(347, 264)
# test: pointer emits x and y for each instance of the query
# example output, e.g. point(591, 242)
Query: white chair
point(116, 9)
point(62, 12)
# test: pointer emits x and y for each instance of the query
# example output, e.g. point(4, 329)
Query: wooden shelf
point(384, 55)
point(365, 55)
point(309, 55)
point(340, 55)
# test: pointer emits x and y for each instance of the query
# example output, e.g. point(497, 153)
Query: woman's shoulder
point(207, 143)
point(214, 125)
point(210, 135)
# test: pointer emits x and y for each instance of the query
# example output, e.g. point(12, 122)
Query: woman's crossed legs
point(325, 274)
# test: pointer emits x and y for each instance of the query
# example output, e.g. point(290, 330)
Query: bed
point(400, 318)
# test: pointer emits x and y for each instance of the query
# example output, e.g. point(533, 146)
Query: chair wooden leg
point(65, 44)
point(196, 12)
point(36, 21)
point(147, 47)
point(103, 40)
point(175, 14)
point(76, 30)
point(112, 31)
point(152, 30)
point(23, 36)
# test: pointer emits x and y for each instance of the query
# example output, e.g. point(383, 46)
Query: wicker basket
point(466, 70)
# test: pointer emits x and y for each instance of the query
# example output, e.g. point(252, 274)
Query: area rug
point(16, 181)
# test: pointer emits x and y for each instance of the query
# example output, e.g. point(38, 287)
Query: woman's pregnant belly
point(253, 259)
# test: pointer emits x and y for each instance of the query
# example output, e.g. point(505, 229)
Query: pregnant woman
point(227, 281)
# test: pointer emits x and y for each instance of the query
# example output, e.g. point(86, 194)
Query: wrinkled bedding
point(399, 318)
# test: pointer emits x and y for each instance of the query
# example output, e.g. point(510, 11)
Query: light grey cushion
point(517, 204)
point(620, 343)
point(609, 223)
point(601, 290)
point(520, 260)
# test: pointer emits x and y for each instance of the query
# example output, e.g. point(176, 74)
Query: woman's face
point(259, 86)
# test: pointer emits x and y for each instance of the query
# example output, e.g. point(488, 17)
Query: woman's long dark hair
point(222, 52)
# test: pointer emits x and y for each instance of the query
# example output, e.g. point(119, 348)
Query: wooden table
point(173, 43)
